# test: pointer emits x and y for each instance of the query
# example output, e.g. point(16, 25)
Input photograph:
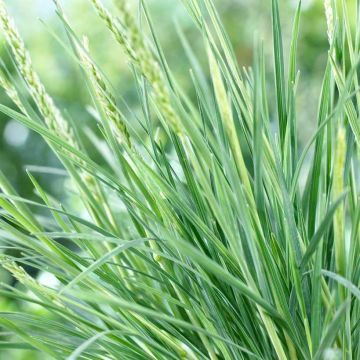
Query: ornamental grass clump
point(223, 247)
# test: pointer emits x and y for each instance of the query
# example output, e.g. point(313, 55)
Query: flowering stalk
point(329, 13)
point(104, 97)
point(11, 91)
point(338, 188)
point(141, 56)
point(51, 114)
point(44, 102)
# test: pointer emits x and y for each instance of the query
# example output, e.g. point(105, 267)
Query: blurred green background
point(36, 19)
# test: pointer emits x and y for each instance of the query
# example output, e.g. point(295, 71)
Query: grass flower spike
point(11, 91)
point(104, 97)
point(329, 13)
point(140, 55)
point(44, 102)
point(339, 225)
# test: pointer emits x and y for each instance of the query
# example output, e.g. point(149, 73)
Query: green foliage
point(196, 238)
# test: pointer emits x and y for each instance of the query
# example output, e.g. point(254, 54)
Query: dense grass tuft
point(201, 243)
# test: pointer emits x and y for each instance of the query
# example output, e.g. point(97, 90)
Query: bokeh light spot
point(15, 134)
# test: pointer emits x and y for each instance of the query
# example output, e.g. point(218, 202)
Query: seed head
point(11, 91)
point(104, 97)
point(44, 102)
point(139, 53)
point(17, 271)
point(329, 13)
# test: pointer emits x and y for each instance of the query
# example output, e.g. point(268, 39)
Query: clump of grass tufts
point(210, 251)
